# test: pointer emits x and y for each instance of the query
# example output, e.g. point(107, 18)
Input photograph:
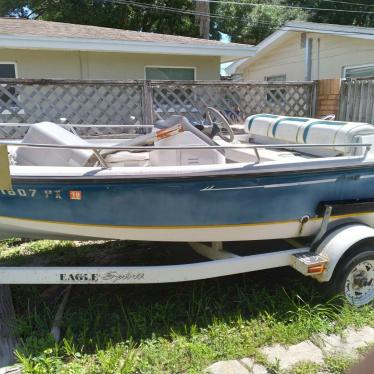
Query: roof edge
point(110, 45)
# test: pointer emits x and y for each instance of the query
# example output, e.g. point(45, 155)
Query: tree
point(139, 15)
point(251, 24)
point(339, 13)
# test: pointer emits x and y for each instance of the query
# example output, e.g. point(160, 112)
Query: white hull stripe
point(212, 188)
point(260, 231)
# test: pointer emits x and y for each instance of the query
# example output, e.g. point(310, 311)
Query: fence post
point(314, 96)
point(328, 97)
point(7, 320)
point(342, 110)
point(147, 110)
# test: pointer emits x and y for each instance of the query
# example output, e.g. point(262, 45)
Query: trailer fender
point(337, 243)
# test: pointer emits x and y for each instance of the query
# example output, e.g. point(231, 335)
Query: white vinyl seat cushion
point(178, 157)
point(125, 158)
point(268, 128)
point(50, 133)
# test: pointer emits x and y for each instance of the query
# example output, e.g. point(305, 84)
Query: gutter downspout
point(308, 59)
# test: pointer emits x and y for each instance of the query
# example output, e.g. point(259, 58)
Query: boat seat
point(50, 133)
point(249, 155)
point(177, 157)
point(125, 158)
point(272, 129)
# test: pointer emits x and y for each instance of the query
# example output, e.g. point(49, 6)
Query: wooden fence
point(143, 102)
point(357, 100)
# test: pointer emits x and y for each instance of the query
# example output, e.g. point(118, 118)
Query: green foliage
point(339, 17)
point(252, 24)
point(306, 368)
point(339, 364)
point(15, 8)
point(108, 14)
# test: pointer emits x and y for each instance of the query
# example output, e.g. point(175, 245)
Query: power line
point(290, 7)
point(181, 11)
point(167, 9)
point(327, 1)
point(347, 3)
point(212, 15)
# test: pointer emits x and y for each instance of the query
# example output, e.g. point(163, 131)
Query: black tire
point(363, 253)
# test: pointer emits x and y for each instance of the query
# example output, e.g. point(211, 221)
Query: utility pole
point(202, 6)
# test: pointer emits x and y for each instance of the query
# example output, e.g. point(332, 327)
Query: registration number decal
point(46, 194)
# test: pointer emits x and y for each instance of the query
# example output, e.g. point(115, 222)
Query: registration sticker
point(75, 195)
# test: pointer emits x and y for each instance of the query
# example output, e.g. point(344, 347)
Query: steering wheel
point(220, 125)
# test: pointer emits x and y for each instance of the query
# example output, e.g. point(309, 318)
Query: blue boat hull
point(217, 208)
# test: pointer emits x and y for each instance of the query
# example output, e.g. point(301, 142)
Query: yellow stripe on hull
point(252, 231)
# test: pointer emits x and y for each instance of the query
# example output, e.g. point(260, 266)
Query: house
point(42, 49)
point(310, 51)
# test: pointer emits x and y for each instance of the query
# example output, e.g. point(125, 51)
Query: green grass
point(165, 328)
point(306, 368)
point(339, 364)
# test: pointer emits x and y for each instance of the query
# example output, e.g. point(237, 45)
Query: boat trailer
point(335, 248)
point(341, 256)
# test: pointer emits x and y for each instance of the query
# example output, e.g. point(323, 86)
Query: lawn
point(164, 328)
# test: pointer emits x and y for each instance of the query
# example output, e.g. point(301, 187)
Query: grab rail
point(13, 124)
point(147, 148)
point(95, 148)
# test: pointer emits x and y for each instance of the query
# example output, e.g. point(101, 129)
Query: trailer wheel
point(354, 276)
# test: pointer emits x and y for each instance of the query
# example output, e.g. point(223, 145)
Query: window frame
point(170, 67)
point(15, 68)
point(12, 103)
point(267, 78)
point(345, 68)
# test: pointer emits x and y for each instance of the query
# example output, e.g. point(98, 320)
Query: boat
point(186, 182)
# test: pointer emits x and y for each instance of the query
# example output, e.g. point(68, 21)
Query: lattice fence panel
point(138, 102)
point(79, 103)
point(236, 101)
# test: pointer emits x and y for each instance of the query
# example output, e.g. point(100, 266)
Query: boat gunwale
point(255, 168)
point(288, 146)
point(229, 174)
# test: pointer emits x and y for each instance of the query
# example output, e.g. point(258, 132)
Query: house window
point(275, 78)
point(7, 70)
point(170, 73)
point(361, 71)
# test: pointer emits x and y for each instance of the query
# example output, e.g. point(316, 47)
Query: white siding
point(287, 57)
point(336, 52)
point(102, 65)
